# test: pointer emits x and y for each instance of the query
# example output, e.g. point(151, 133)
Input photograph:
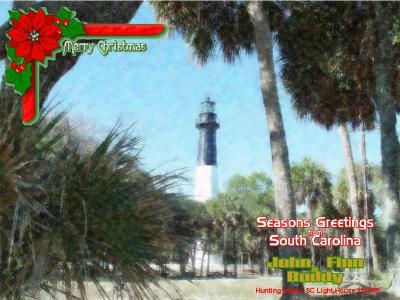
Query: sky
point(161, 90)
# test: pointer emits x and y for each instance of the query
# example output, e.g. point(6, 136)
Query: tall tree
point(386, 108)
point(237, 27)
point(283, 194)
point(312, 187)
point(349, 78)
point(374, 199)
point(41, 240)
point(352, 182)
point(254, 196)
point(229, 217)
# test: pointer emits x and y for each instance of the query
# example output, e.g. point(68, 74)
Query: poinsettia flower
point(34, 35)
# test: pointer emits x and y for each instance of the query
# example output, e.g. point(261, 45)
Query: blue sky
point(161, 90)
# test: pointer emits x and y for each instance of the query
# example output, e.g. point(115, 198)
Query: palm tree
point(223, 211)
point(73, 211)
point(312, 187)
point(237, 27)
point(49, 192)
point(348, 78)
point(374, 198)
point(182, 227)
point(199, 216)
point(22, 159)
point(386, 109)
point(95, 214)
point(254, 195)
point(352, 182)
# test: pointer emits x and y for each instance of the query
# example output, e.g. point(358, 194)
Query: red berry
point(14, 65)
point(18, 69)
point(23, 66)
point(58, 20)
point(65, 22)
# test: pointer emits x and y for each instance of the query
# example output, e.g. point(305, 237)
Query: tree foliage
point(79, 215)
point(328, 61)
point(311, 183)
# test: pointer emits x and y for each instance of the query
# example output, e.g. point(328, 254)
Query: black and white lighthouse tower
point(206, 184)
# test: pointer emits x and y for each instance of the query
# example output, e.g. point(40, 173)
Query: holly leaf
point(14, 14)
point(12, 56)
point(73, 29)
point(65, 13)
point(20, 81)
point(11, 52)
point(11, 75)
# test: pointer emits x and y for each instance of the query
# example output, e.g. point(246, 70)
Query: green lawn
point(225, 289)
point(243, 288)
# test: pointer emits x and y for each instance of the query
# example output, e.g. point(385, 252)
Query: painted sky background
point(161, 90)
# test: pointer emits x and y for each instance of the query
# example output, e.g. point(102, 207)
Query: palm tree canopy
point(328, 61)
point(311, 182)
point(374, 182)
point(214, 25)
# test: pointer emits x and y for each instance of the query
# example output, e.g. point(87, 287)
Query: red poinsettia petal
point(37, 52)
point(38, 20)
point(23, 48)
point(25, 22)
point(31, 15)
point(13, 43)
point(50, 31)
point(48, 44)
point(46, 52)
point(15, 23)
point(28, 58)
point(18, 35)
point(48, 20)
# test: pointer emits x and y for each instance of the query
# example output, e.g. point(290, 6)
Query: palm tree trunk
point(351, 181)
point(367, 233)
point(194, 256)
point(182, 268)
point(262, 256)
point(249, 262)
point(385, 104)
point(208, 257)
point(283, 194)
point(225, 248)
point(202, 258)
point(344, 251)
point(68, 282)
point(374, 255)
point(235, 254)
point(241, 260)
point(267, 257)
point(183, 260)
point(284, 201)
point(311, 217)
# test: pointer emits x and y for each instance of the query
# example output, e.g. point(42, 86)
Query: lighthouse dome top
point(207, 106)
point(207, 117)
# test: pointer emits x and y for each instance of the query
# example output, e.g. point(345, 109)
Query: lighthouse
point(206, 184)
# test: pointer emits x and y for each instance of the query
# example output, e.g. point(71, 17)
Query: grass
point(242, 288)
point(225, 288)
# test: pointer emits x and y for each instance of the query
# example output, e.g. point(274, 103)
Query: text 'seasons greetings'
point(315, 235)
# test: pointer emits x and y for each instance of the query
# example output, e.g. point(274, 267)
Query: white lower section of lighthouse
point(206, 183)
point(205, 188)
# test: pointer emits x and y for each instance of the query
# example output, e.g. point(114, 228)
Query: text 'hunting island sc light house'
point(206, 184)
